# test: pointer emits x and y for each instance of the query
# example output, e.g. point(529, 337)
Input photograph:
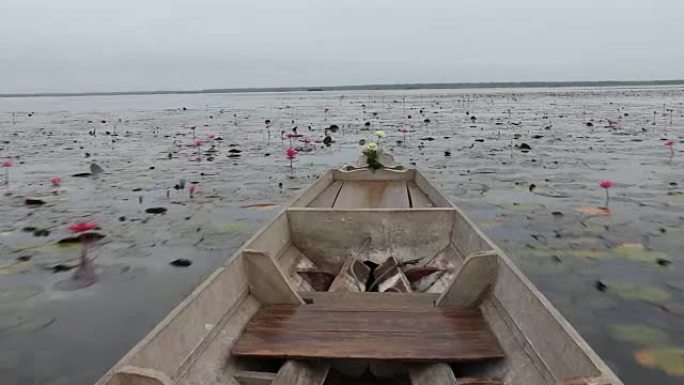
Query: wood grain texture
point(266, 280)
point(477, 274)
point(411, 335)
point(370, 300)
point(132, 375)
point(249, 377)
point(372, 194)
point(328, 196)
point(432, 374)
point(302, 373)
point(418, 198)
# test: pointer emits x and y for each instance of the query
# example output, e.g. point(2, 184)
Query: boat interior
point(366, 278)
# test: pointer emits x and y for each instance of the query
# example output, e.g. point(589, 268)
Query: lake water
point(541, 206)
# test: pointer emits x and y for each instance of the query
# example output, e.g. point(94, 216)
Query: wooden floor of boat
point(404, 334)
point(372, 194)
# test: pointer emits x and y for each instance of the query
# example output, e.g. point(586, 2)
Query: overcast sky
point(115, 45)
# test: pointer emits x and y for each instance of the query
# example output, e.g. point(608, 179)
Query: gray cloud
point(86, 45)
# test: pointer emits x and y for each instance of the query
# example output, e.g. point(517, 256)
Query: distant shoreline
point(369, 87)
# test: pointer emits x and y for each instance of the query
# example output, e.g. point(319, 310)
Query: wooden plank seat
point(401, 334)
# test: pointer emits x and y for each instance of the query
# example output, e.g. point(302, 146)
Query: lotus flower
point(291, 153)
point(607, 185)
point(6, 165)
point(404, 130)
point(192, 190)
point(198, 142)
point(80, 227)
point(211, 136)
point(670, 144)
point(56, 181)
point(85, 272)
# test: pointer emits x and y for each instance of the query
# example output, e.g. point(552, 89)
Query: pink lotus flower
point(289, 135)
point(56, 181)
point(612, 123)
point(211, 136)
point(670, 143)
point(291, 153)
point(192, 190)
point(80, 227)
point(606, 184)
point(7, 163)
point(403, 130)
point(198, 142)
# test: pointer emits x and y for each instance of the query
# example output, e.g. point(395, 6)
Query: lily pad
point(23, 322)
point(522, 207)
point(637, 334)
point(231, 227)
point(665, 358)
point(650, 294)
point(16, 268)
point(260, 206)
point(639, 253)
point(18, 293)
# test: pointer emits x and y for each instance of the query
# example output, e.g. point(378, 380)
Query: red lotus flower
point(670, 143)
point(606, 184)
point(7, 163)
point(289, 135)
point(192, 190)
point(403, 130)
point(291, 153)
point(198, 142)
point(56, 181)
point(80, 227)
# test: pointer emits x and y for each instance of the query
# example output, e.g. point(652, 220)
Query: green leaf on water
point(522, 207)
point(232, 227)
point(16, 268)
point(637, 334)
point(650, 294)
point(666, 358)
point(18, 293)
point(23, 322)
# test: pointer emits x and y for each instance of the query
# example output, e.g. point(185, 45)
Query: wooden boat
point(365, 277)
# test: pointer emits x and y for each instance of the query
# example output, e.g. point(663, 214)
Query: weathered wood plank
point(378, 175)
point(413, 335)
point(418, 197)
point(328, 196)
point(352, 276)
point(478, 381)
point(395, 195)
point(437, 198)
point(372, 194)
point(369, 300)
point(313, 191)
point(302, 373)
point(249, 377)
point(327, 237)
point(477, 274)
point(266, 280)
point(132, 375)
point(432, 374)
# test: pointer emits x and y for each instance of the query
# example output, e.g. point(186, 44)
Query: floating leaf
point(522, 207)
point(16, 268)
point(602, 211)
point(23, 322)
point(231, 227)
point(260, 206)
point(637, 252)
point(668, 359)
point(18, 293)
point(641, 293)
point(637, 334)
